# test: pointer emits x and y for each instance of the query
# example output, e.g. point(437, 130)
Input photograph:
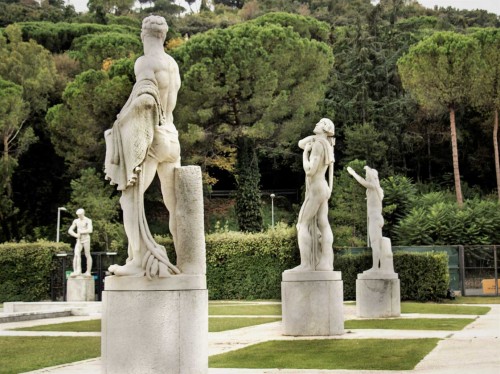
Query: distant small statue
point(315, 236)
point(81, 230)
point(381, 246)
point(143, 142)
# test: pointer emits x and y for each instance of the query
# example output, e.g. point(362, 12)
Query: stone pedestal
point(158, 326)
point(80, 288)
point(312, 303)
point(378, 295)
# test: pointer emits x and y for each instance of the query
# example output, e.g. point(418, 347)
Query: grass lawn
point(446, 324)
point(359, 354)
point(474, 300)
point(224, 324)
point(243, 309)
point(21, 354)
point(214, 325)
point(433, 308)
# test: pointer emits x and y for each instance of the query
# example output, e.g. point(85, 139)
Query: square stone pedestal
point(378, 297)
point(158, 326)
point(312, 303)
point(80, 288)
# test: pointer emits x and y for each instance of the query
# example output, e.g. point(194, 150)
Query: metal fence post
point(461, 264)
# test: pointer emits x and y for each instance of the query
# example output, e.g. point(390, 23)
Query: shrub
point(423, 276)
point(443, 223)
point(26, 270)
point(249, 266)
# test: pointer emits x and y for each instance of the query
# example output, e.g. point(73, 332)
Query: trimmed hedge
point(239, 266)
point(249, 266)
point(26, 269)
point(423, 276)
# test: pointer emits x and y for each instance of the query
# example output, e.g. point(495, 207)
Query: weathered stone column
point(190, 245)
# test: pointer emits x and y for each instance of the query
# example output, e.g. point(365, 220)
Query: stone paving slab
point(475, 349)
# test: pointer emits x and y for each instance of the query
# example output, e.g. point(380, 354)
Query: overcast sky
point(492, 6)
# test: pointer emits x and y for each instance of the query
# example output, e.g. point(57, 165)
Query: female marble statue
point(142, 142)
point(315, 235)
point(374, 197)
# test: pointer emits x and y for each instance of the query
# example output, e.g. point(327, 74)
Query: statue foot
point(300, 268)
point(87, 274)
point(75, 274)
point(130, 270)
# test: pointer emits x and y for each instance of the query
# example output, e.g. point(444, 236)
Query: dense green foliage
point(247, 206)
point(263, 71)
point(439, 222)
point(59, 37)
point(26, 270)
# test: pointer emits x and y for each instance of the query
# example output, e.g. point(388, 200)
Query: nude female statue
point(381, 247)
point(315, 235)
point(143, 142)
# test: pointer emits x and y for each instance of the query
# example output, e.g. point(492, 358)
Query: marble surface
point(378, 298)
point(80, 289)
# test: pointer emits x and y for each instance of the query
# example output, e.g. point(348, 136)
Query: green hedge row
point(423, 276)
point(239, 266)
point(26, 269)
point(249, 266)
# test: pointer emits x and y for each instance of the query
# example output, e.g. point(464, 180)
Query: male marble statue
point(315, 235)
point(381, 247)
point(142, 142)
point(81, 228)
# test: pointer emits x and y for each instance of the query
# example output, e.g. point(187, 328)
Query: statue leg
point(77, 260)
point(86, 247)
point(307, 212)
point(166, 172)
point(326, 258)
point(376, 243)
point(130, 200)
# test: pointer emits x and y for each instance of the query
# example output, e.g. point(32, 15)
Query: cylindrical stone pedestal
point(80, 288)
point(155, 327)
point(377, 298)
point(312, 303)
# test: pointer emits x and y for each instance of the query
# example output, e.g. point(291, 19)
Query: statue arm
point(311, 158)
point(89, 228)
point(72, 231)
point(360, 179)
point(303, 142)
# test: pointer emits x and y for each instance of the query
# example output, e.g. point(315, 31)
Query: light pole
point(272, 210)
point(59, 221)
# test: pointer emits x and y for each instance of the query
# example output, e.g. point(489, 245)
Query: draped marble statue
point(314, 233)
point(381, 246)
point(142, 142)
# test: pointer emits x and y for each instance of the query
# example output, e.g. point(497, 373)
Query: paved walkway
point(475, 349)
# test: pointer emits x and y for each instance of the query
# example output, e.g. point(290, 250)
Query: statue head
point(155, 26)
point(80, 212)
point(325, 126)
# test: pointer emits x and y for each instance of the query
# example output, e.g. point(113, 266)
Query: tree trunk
point(454, 152)
point(495, 148)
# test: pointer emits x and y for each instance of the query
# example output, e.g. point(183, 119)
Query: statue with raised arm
point(381, 246)
point(81, 228)
point(142, 142)
point(315, 236)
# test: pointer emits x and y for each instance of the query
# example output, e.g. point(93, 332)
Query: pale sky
point(492, 6)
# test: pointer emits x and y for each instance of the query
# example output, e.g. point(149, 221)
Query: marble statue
point(142, 142)
point(314, 233)
point(381, 247)
point(81, 228)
